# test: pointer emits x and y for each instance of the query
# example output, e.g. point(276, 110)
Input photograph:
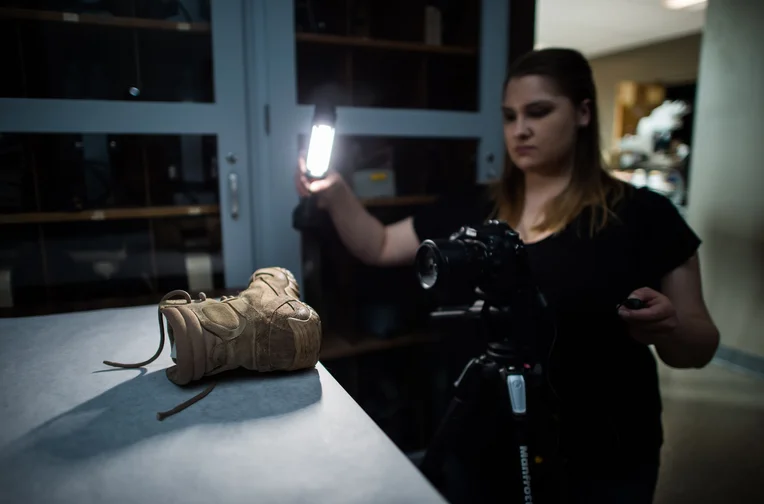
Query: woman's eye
point(538, 112)
point(509, 117)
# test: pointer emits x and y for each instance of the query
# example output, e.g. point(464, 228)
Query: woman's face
point(540, 124)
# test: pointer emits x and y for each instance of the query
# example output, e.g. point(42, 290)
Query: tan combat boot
point(265, 328)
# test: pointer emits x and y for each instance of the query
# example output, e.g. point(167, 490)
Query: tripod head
point(510, 339)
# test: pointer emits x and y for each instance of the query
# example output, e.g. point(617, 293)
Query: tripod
point(505, 360)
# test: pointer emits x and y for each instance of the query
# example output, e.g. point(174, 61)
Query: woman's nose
point(521, 129)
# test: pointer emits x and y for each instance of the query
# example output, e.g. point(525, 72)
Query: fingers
point(659, 317)
point(318, 185)
point(665, 325)
point(306, 187)
point(652, 313)
point(655, 305)
point(646, 295)
point(647, 322)
point(650, 310)
point(301, 183)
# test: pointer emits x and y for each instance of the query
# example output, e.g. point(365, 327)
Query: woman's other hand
point(325, 189)
point(654, 323)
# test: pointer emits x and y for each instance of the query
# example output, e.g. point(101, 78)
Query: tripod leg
point(517, 409)
point(466, 389)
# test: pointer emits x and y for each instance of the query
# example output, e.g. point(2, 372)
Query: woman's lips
point(524, 150)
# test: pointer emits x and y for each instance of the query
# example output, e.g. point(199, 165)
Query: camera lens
point(428, 264)
point(449, 264)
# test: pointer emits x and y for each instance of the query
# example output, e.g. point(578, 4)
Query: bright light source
point(319, 150)
point(685, 4)
point(321, 140)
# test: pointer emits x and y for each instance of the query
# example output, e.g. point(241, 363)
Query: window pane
point(106, 220)
point(144, 50)
point(392, 54)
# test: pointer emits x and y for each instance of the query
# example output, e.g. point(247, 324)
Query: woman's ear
point(584, 113)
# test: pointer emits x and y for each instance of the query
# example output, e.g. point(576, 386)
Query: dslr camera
point(489, 261)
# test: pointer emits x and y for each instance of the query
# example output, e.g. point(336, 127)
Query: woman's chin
point(526, 165)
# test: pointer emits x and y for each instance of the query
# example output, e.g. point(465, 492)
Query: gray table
point(76, 431)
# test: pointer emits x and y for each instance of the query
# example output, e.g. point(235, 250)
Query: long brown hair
point(591, 186)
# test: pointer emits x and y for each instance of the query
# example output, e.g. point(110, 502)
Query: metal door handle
point(233, 189)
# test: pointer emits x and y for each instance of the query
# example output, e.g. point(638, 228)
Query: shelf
point(318, 38)
point(398, 201)
point(335, 346)
point(99, 20)
point(109, 214)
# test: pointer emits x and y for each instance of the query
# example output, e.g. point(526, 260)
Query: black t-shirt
point(605, 382)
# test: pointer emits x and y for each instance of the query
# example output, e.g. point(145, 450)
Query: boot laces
point(165, 301)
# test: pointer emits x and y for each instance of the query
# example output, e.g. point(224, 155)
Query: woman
point(593, 242)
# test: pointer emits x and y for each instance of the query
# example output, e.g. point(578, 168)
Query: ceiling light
point(685, 4)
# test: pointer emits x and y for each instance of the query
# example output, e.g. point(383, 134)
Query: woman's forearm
point(360, 232)
point(691, 345)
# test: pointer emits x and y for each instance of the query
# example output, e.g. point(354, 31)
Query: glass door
point(124, 168)
point(117, 50)
point(418, 88)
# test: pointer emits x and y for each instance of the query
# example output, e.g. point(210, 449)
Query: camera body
point(488, 260)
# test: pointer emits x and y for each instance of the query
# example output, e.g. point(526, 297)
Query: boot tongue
point(173, 348)
point(183, 371)
point(168, 301)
